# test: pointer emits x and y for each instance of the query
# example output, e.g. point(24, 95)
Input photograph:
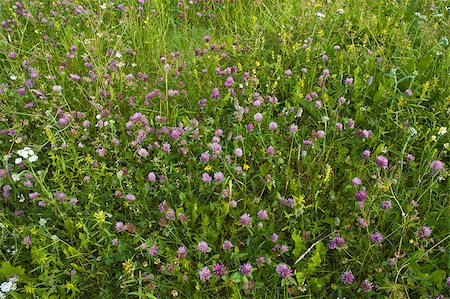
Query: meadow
point(224, 149)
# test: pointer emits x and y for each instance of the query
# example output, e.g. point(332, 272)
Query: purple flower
point(273, 126)
point(356, 181)
point(215, 93)
point(362, 223)
point(366, 285)
point(274, 237)
point(245, 220)
point(153, 250)
point(205, 273)
point(381, 161)
point(347, 277)
point(246, 269)
point(340, 241)
point(238, 152)
point(270, 150)
point(283, 271)
point(288, 72)
point(339, 126)
point(227, 245)
point(365, 154)
point(349, 81)
point(425, 231)
point(115, 242)
point(151, 177)
point(202, 247)
point(166, 148)
point(181, 252)
point(408, 92)
point(258, 117)
point(130, 197)
point(218, 176)
point(27, 240)
point(206, 177)
point(361, 195)
point(410, 157)
point(262, 214)
point(386, 205)
point(120, 227)
point(436, 165)
point(293, 128)
point(376, 238)
point(229, 81)
point(219, 269)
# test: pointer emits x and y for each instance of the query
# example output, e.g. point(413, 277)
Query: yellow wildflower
point(208, 168)
point(246, 167)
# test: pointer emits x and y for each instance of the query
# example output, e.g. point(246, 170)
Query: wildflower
point(410, 157)
point(361, 195)
point(348, 81)
point(153, 250)
point(120, 227)
point(293, 128)
point(245, 220)
point(442, 131)
point(218, 176)
point(356, 181)
point(362, 223)
point(238, 152)
point(227, 245)
point(258, 117)
point(366, 285)
point(130, 197)
point(347, 277)
point(408, 92)
point(181, 252)
point(206, 177)
point(376, 238)
point(425, 231)
point(115, 242)
point(202, 247)
point(27, 240)
point(283, 271)
point(366, 154)
point(205, 273)
point(151, 177)
point(270, 150)
point(386, 205)
point(246, 269)
point(166, 148)
point(436, 165)
point(246, 167)
point(382, 161)
point(219, 269)
point(262, 214)
point(273, 126)
point(274, 237)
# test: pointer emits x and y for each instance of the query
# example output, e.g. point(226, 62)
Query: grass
point(161, 124)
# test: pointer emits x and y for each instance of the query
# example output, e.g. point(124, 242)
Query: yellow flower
point(100, 216)
point(246, 167)
point(69, 286)
point(30, 290)
point(208, 168)
point(411, 241)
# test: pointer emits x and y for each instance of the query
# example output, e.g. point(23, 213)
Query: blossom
point(425, 231)
point(283, 271)
point(246, 269)
point(153, 250)
point(202, 246)
point(386, 205)
point(382, 161)
point(436, 165)
point(273, 126)
point(347, 277)
point(258, 117)
point(181, 252)
point(262, 214)
point(219, 269)
point(205, 273)
point(245, 220)
point(376, 238)
point(227, 245)
point(366, 154)
point(27, 240)
point(366, 285)
point(218, 176)
point(356, 181)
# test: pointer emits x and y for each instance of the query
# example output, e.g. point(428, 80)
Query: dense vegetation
point(224, 149)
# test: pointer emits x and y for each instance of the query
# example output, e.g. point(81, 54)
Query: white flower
point(33, 158)
point(18, 160)
point(340, 11)
point(54, 238)
point(442, 130)
point(15, 177)
point(13, 77)
point(118, 55)
point(320, 15)
point(412, 131)
point(7, 286)
point(103, 6)
point(42, 222)
point(2, 226)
